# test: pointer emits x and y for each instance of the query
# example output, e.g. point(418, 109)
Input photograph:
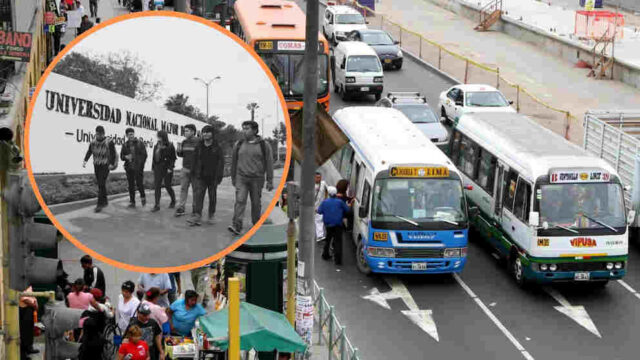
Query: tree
point(123, 73)
point(280, 134)
point(252, 106)
point(179, 103)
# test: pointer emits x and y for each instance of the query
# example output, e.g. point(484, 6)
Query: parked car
point(339, 21)
point(415, 107)
point(472, 98)
point(388, 50)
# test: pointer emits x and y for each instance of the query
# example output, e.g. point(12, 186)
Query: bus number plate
point(364, 89)
point(419, 266)
point(581, 276)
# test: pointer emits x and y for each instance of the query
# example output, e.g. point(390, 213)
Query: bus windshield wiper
point(564, 228)
point(600, 222)
point(406, 220)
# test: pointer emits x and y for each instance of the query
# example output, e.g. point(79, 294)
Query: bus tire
point(517, 269)
point(361, 262)
point(343, 94)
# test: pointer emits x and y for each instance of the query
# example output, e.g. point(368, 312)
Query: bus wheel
point(360, 259)
point(517, 270)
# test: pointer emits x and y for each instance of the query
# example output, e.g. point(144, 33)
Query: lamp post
point(206, 84)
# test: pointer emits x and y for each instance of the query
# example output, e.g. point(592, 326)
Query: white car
point(339, 21)
point(472, 98)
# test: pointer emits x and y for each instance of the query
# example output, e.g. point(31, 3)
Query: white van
point(340, 20)
point(356, 70)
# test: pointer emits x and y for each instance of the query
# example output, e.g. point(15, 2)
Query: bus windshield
point(418, 201)
point(349, 19)
point(363, 63)
point(288, 69)
point(582, 206)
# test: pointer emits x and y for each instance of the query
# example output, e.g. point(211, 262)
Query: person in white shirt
point(320, 196)
point(161, 281)
point(127, 305)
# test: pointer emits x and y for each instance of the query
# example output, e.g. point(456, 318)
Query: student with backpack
point(251, 165)
point(105, 159)
point(208, 170)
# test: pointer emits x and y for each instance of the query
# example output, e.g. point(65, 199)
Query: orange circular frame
point(199, 263)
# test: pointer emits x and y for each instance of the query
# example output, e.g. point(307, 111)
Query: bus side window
point(353, 182)
point(469, 157)
point(335, 158)
point(486, 171)
point(521, 205)
point(510, 182)
point(364, 200)
point(345, 163)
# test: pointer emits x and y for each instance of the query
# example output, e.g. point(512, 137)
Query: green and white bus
point(551, 210)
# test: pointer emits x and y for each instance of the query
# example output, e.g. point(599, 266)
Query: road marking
point(628, 287)
point(493, 318)
point(576, 313)
point(422, 318)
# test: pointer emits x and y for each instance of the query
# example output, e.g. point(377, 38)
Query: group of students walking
point(203, 168)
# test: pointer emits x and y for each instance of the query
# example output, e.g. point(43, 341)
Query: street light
point(207, 83)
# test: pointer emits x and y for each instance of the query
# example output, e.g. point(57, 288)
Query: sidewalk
point(107, 9)
point(551, 79)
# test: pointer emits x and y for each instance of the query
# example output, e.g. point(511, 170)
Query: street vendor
point(183, 314)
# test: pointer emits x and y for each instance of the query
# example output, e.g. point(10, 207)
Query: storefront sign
point(15, 45)
point(67, 112)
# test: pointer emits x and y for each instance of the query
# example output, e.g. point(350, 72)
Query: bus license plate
point(419, 266)
point(364, 89)
point(387, 61)
point(581, 276)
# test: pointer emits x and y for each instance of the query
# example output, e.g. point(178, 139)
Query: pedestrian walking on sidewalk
point(333, 211)
point(251, 164)
point(164, 158)
point(105, 159)
point(93, 7)
point(208, 170)
point(134, 155)
point(186, 150)
point(93, 276)
point(320, 196)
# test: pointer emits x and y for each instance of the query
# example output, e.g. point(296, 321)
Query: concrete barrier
point(556, 45)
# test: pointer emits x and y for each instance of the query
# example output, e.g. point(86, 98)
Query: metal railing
point(489, 8)
point(330, 332)
point(458, 66)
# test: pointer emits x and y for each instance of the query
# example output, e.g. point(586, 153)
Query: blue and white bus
point(410, 212)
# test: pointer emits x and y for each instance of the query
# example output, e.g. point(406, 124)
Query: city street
point(142, 238)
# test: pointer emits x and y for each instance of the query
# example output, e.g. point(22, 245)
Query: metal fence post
point(330, 340)
point(355, 354)
point(568, 124)
point(420, 51)
point(439, 57)
point(518, 98)
point(342, 341)
point(381, 22)
point(498, 78)
point(320, 312)
point(466, 70)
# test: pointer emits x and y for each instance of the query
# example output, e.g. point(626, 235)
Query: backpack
point(263, 148)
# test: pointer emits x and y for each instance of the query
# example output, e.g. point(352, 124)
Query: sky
point(179, 50)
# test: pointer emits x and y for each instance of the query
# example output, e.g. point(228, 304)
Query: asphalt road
point(481, 314)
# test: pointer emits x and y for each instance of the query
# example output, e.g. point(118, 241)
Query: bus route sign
point(423, 172)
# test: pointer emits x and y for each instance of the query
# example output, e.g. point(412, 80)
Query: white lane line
point(493, 318)
point(628, 287)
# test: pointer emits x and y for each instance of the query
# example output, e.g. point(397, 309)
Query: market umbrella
point(260, 329)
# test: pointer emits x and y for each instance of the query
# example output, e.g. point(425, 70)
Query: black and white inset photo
point(158, 141)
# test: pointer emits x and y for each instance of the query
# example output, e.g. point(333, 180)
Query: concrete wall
point(555, 45)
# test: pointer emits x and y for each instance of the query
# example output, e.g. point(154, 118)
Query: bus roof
point(385, 136)
point(272, 20)
point(527, 146)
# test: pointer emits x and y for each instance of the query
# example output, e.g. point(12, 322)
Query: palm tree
point(179, 103)
point(252, 106)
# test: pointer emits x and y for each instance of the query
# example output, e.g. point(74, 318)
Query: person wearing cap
point(127, 305)
point(151, 331)
point(185, 150)
point(251, 168)
point(93, 276)
point(184, 312)
point(134, 155)
point(208, 170)
point(333, 211)
point(105, 159)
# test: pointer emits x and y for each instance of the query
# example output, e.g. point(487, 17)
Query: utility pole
point(306, 241)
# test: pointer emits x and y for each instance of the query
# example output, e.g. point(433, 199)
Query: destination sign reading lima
point(419, 171)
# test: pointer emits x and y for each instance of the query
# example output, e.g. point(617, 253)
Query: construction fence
point(468, 71)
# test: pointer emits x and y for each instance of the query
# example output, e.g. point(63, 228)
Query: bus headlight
point(378, 79)
point(609, 266)
point(553, 267)
point(381, 252)
point(543, 267)
point(350, 79)
point(618, 265)
point(452, 252)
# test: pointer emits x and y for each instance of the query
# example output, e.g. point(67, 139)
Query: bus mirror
point(362, 212)
point(342, 66)
point(631, 216)
point(473, 211)
point(534, 218)
point(627, 188)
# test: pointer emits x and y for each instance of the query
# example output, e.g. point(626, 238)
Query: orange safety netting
point(598, 24)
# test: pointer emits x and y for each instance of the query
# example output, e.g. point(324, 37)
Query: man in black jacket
point(134, 155)
point(208, 168)
point(93, 276)
point(105, 159)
